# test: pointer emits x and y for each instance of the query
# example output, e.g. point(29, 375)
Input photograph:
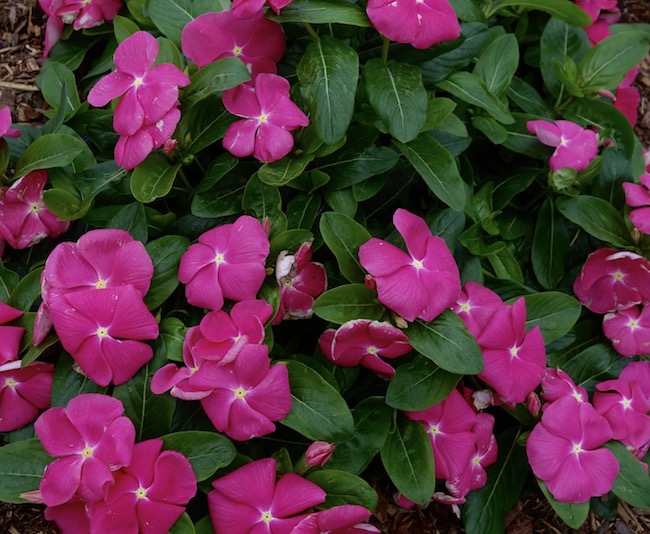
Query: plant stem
point(384, 50)
point(311, 31)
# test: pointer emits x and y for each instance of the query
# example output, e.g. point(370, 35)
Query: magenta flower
point(149, 495)
point(628, 98)
point(515, 360)
point(24, 218)
point(257, 41)
point(421, 284)
point(83, 14)
point(420, 23)
point(638, 197)
point(54, 26)
point(149, 92)
point(269, 115)
point(594, 7)
point(10, 336)
point(24, 392)
point(103, 330)
point(71, 517)
point(5, 124)
point(245, 9)
point(557, 384)
point(90, 439)
point(301, 281)
point(344, 519)
point(575, 147)
point(364, 342)
point(625, 405)
point(250, 500)
point(247, 396)
point(611, 280)
point(450, 426)
point(476, 305)
point(629, 330)
point(226, 263)
point(565, 451)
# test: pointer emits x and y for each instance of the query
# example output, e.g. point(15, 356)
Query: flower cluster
point(101, 480)
point(637, 196)
point(93, 294)
point(147, 114)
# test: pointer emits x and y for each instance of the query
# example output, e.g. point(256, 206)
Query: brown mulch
point(21, 35)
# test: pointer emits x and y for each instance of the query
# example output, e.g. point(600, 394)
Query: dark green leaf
point(354, 165)
point(632, 484)
point(131, 218)
point(550, 246)
point(215, 77)
point(573, 515)
point(153, 178)
point(171, 16)
point(206, 451)
point(344, 488)
point(560, 9)
point(183, 525)
point(202, 124)
point(27, 291)
point(285, 170)
point(323, 12)
point(223, 198)
point(555, 313)
point(58, 85)
point(68, 383)
point(265, 201)
point(47, 152)
point(344, 236)
point(166, 255)
point(347, 303)
point(494, 131)
point(497, 65)
point(21, 468)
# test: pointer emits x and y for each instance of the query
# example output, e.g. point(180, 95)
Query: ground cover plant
point(259, 258)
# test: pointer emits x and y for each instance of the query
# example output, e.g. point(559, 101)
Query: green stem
point(188, 185)
point(311, 31)
point(384, 50)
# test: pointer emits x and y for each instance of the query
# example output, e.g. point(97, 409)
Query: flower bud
point(318, 453)
point(533, 403)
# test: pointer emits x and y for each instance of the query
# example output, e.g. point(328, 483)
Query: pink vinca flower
point(629, 330)
point(625, 406)
point(257, 41)
point(250, 500)
point(226, 263)
point(611, 280)
point(575, 147)
point(476, 305)
point(450, 426)
point(557, 384)
point(24, 392)
point(565, 451)
point(247, 396)
point(90, 439)
point(594, 7)
point(345, 519)
point(301, 281)
point(10, 336)
point(24, 218)
point(149, 92)
point(638, 197)
point(5, 124)
point(245, 9)
point(628, 97)
point(54, 26)
point(420, 23)
point(270, 117)
point(104, 330)
point(71, 517)
point(515, 360)
point(364, 342)
point(84, 14)
point(421, 284)
point(149, 495)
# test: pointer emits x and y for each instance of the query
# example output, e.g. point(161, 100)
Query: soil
point(22, 27)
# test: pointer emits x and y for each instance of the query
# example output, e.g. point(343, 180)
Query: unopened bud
point(169, 146)
point(319, 453)
point(266, 226)
point(533, 403)
point(369, 282)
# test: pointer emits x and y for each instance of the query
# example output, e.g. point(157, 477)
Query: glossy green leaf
point(220, 75)
point(123, 28)
point(203, 124)
point(222, 199)
point(265, 201)
point(285, 170)
point(59, 88)
point(573, 515)
point(408, 460)
point(438, 169)
point(131, 218)
point(495, 132)
point(497, 65)
point(323, 12)
point(68, 382)
point(21, 468)
point(153, 178)
point(302, 211)
point(329, 73)
point(555, 313)
point(318, 411)
point(419, 385)
point(550, 246)
point(560, 9)
point(447, 343)
point(206, 451)
point(344, 488)
point(171, 16)
point(183, 525)
point(344, 236)
point(397, 94)
point(26, 291)
point(47, 152)
point(165, 254)
point(347, 303)
point(632, 484)
point(594, 364)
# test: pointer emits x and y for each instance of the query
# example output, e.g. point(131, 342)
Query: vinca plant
point(262, 260)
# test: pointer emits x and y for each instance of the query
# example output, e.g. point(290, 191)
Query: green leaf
point(289, 240)
point(560, 9)
point(408, 460)
point(344, 236)
point(59, 86)
point(21, 468)
point(438, 109)
point(486, 508)
point(344, 488)
point(27, 291)
point(396, 92)
point(131, 218)
point(438, 169)
point(497, 65)
point(573, 515)
point(222, 199)
point(206, 451)
point(171, 16)
point(123, 28)
point(153, 178)
point(323, 12)
point(204, 123)
point(447, 343)
point(166, 255)
point(318, 411)
point(597, 217)
point(607, 63)
point(47, 152)
point(472, 89)
point(68, 383)
point(555, 313)
point(217, 76)
point(347, 303)
point(494, 131)
point(419, 385)
point(204, 526)
point(183, 525)
point(632, 483)
point(594, 364)
point(285, 170)
point(265, 201)
point(550, 246)
point(528, 99)
point(302, 211)
point(65, 204)
point(329, 74)
point(353, 165)
point(8, 281)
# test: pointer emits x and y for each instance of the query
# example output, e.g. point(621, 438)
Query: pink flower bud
point(369, 282)
point(533, 403)
point(170, 146)
point(319, 453)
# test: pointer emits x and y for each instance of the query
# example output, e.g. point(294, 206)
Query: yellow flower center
point(141, 493)
point(577, 448)
point(36, 207)
point(87, 453)
point(100, 284)
point(10, 383)
point(262, 118)
point(514, 352)
point(237, 51)
point(267, 517)
point(102, 331)
point(417, 264)
point(137, 82)
point(219, 258)
point(433, 430)
point(465, 307)
point(372, 350)
point(240, 393)
point(618, 276)
point(627, 403)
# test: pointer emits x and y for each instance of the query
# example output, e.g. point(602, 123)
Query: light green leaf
point(323, 12)
point(215, 77)
point(47, 152)
point(497, 65)
point(153, 178)
point(348, 302)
